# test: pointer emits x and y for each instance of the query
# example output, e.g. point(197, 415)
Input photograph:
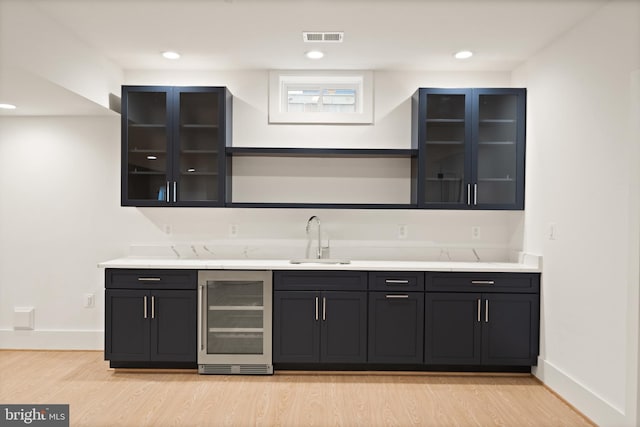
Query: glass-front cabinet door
point(145, 127)
point(498, 148)
point(447, 127)
point(198, 136)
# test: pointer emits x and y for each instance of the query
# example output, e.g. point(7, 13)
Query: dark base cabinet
point(433, 321)
point(313, 323)
point(395, 327)
point(148, 325)
point(340, 320)
point(488, 328)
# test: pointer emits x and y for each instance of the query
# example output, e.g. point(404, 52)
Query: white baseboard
point(51, 340)
point(584, 400)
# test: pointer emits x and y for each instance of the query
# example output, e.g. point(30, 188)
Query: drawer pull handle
point(483, 282)
point(149, 279)
point(396, 282)
point(396, 296)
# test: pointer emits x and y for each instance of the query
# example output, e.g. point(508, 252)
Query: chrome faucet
point(319, 250)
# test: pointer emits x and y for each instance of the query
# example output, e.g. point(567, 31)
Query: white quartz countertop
point(527, 265)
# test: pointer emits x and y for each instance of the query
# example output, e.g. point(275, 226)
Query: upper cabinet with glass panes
point(173, 145)
point(471, 148)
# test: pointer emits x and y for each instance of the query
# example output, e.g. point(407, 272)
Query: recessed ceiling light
point(314, 54)
point(152, 157)
point(463, 54)
point(171, 55)
point(7, 106)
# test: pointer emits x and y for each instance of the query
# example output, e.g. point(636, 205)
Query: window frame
point(281, 80)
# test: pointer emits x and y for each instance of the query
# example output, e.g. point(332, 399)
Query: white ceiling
point(267, 34)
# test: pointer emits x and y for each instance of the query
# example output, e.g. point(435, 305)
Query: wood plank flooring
point(100, 396)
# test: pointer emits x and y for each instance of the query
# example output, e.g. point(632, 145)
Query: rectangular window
point(321, 97)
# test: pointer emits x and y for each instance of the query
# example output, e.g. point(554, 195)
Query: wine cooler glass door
point(236, 318)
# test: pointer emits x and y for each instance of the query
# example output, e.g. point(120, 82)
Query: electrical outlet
point(403, 231)
point(475, 232)
point(233, 230)
point(89, 300)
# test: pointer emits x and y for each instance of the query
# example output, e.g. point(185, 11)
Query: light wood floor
point(100, 396)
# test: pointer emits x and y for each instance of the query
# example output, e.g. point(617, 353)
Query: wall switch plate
point(403, 231)
point(475, 232)
point(89, 300)
point(233, 230)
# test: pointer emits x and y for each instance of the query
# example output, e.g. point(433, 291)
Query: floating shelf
point(321, 152)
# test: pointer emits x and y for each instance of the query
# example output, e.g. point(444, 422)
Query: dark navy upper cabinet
point(471, 148)
point(173, 145)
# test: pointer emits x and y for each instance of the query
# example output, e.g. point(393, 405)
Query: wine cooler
point(235, 322)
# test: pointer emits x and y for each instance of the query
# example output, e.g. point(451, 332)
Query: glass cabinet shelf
point(236, 307)
point(445, 121)
point(198, 126)
point(147, 125)
point(491, 121)
point(496, 143)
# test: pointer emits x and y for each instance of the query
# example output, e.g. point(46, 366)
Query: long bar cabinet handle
point(153, 307)
point(167, 193)
point(475, 194)
point(201, 317)
point(469, 194)
point(396, 282)
point(149, 279)
point(324, 308)
point(316, 308)
point(479, 309)
point(175, 191)
point(396, 296)
point(483, 282)
point(486, 311)
point(144, 304)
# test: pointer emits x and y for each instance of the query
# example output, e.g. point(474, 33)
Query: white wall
point(582, 167)
point(60, 216)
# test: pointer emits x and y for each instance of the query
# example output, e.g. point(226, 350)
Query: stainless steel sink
point(320, 261)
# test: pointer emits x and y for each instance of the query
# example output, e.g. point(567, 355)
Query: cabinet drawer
point(320, 280)
point(150, 279)
point(483, 282)
point(396, 281)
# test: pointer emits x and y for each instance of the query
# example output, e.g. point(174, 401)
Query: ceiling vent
point(323, 36)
